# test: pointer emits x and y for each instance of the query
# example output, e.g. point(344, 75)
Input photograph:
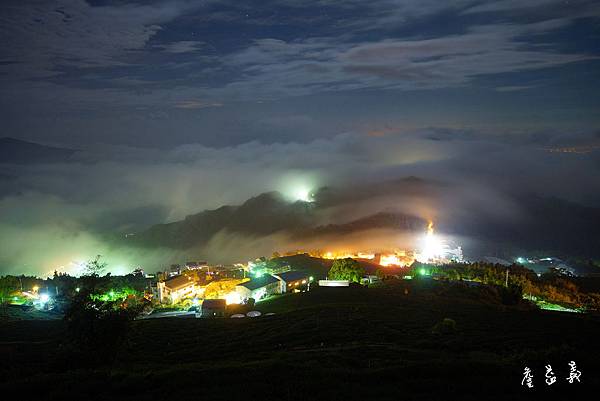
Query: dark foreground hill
point(347, 344)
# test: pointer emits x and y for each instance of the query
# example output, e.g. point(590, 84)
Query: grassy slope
point(333, 344)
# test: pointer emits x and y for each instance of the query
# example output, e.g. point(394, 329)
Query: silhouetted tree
point(346, 269)
point(96, 328)
point(94, 267)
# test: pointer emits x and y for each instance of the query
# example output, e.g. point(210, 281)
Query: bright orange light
point(396, 259)
point(390, 260)
point(433, 247)
point(363, 255)
point(335, 255)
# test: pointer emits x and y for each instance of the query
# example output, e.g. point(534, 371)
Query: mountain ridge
point(17, 151)
point(570, 229)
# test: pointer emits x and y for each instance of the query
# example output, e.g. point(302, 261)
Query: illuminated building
point(293, 280)
point(258, 288)
point(177, 288)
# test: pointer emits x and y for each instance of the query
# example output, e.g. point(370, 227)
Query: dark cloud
point(108, 58)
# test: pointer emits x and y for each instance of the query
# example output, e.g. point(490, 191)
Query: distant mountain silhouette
point(545, 224)
point(262, 215)
point(549, 225)
point(381, 220)
point(16, 151)
point(265, 214)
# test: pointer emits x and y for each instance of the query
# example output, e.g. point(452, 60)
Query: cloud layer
point(69, 208)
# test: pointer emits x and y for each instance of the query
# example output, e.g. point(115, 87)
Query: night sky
point(178, 106)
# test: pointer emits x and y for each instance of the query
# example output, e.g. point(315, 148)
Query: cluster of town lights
point(433, 249)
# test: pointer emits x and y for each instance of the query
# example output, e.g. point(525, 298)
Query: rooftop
point(179, 282)
point(214, 303)
point(293, 275)
point(256, 283)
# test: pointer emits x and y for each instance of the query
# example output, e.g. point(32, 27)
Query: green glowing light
point(555, 307)
point(422, 272)
point(114, 295)
point(311, 278)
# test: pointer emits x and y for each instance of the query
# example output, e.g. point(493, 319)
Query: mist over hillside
point(386, 216)
point(235, 204)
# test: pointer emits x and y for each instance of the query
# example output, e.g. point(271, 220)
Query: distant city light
point(297, 186)
point(303, 194)
point(390, 260)
point(77, 289)
point(433, 247)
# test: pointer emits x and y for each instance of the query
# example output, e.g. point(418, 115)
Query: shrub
point(446, 326)
point(96, 328)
